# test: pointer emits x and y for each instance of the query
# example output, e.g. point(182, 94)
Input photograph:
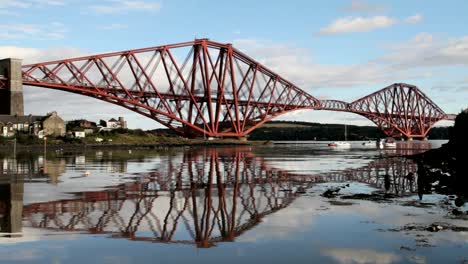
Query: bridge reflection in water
point(205, 197)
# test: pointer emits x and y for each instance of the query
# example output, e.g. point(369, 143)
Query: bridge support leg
point(11, 196)
point(11, 98)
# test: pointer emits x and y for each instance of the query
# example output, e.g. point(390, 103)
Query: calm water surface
point(251, 204)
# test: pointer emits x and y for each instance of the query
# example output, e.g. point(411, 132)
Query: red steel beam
point(205, 87)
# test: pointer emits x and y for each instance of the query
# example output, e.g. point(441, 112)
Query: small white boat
point(340, 144)
point(387, 143)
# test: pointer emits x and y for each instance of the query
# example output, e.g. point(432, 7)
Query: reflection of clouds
point(117, 259)
point(20, 255)
point(33, 235)
point(349, 255)
point(102, 175)
point(29, 235)
point(305, 211)
point(297, 217)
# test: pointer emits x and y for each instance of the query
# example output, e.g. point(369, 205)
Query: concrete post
point(11, 98)
point(12, 198)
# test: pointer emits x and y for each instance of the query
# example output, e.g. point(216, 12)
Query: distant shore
point(109, 145)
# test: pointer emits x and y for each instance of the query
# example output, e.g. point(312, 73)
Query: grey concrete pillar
point(11, 197)
point(11, 98)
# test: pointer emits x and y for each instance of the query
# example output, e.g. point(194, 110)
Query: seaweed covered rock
point(448, 166)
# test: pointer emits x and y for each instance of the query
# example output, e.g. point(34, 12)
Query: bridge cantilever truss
point(205, 87)
point(399, 110)
point(193, 87)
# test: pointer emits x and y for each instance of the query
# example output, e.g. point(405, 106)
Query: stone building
point(53, 125)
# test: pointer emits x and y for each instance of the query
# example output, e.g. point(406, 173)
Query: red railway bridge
point(205, 87)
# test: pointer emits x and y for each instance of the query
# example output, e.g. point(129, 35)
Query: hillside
point(284, 130)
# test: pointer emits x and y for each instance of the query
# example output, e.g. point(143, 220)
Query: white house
point(113, 124)
point(79, 134)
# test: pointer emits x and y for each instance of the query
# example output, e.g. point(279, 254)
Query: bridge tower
point(11, 204)
point(11, 98)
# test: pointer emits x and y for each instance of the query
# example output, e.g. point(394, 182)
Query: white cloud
point(53, 30)
point(426, 50)
point(5, 12)
point(119, 6)
point(360, 256)
point(13, 4)
point(417, 18)
point(114, 26)
point(297, 66)
point(361, 6)
point(18, 30)
point(50, 2)
point(357, 24)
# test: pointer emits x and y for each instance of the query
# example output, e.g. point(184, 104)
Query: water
point(251, 204)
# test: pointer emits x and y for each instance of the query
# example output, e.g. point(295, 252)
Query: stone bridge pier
point(11, 96)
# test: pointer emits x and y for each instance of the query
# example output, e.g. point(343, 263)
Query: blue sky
point(332, 49)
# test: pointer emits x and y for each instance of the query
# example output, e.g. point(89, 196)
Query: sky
point(335, 49)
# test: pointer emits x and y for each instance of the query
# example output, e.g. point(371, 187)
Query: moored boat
point(340, 144)
point(387, 143)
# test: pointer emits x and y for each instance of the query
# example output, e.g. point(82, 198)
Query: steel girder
point(204, 87)
point(333, 105)
point(193, 87)
point(400, 110)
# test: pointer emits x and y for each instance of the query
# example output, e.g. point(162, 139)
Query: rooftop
point(21, 119)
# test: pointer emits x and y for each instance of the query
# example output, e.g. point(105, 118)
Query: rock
point(300, 190)
point(456, 212)
point(330, 193)
point(406, 248)
point(459, 202)
point(434, 228)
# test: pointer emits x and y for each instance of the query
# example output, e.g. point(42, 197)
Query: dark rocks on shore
point(445, 170)
point(330, 193)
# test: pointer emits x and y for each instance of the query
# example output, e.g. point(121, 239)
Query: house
point(49, 125)
point(12, 125)
point(53, 125)
point(79, 134)
point(113, 123)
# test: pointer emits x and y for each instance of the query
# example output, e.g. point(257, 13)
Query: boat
point(368, 144)
point(387, 143)
point(341, 144)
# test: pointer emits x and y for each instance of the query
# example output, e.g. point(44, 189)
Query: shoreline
point(68, 146)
